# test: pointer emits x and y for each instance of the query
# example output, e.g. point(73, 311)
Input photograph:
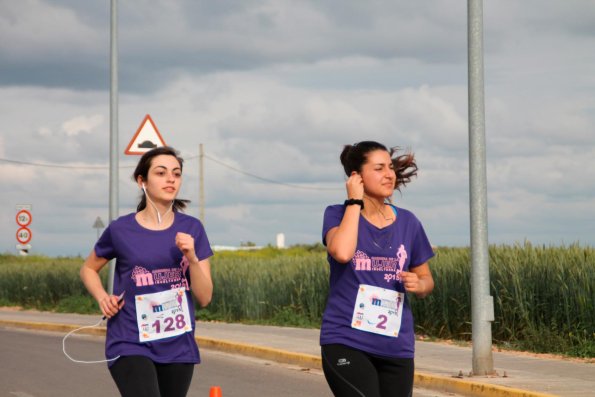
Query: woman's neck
point(156, 218)
point(377, 212)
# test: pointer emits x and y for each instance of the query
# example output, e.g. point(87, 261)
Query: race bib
point(162, 315)
point(378, 310)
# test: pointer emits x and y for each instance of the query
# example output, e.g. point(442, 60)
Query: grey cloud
point(158, 41)
point(275, 89)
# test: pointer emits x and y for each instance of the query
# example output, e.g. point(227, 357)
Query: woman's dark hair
point(142, 170)
point(353, 157)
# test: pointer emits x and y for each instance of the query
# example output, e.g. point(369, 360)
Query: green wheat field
point(544, 296)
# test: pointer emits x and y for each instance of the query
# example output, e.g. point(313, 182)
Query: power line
point(87, 167)
point(267, 179)
point(104, 167)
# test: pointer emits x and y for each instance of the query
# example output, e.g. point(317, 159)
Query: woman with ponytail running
point(378, 254)
point(162, 259)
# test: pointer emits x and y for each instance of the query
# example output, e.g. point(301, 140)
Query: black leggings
point(353, 373)
point(139, 376)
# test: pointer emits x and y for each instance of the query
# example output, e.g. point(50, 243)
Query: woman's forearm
point(342, 241)
point(202, 284)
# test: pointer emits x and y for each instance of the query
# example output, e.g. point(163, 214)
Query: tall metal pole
point(114, 151)
point(481, 302)
point(201, 186)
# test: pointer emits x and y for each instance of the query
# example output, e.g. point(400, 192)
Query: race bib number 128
point(162, 315)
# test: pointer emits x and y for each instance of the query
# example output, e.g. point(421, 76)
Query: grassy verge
point(544, 297)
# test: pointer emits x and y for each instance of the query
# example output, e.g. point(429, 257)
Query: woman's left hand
point(185, 243)
point(419, 280)
point(412, 282)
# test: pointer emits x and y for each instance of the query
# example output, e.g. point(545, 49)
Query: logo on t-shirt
point(175, 276)
point(392, 266)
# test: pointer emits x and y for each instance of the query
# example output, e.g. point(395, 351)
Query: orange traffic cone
point(215, 392)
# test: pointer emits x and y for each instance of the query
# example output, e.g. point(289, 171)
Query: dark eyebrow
point(165, 168)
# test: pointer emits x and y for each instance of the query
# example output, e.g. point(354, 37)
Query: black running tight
point(139, 376)
point(353, 373)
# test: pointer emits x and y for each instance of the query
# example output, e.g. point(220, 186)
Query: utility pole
point(482, 304)
point(201, 185)
point(114, 152)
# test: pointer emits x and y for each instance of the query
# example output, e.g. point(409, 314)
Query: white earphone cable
point(82, 361)
point(155, 207)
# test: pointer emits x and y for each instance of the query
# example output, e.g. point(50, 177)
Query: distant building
point(280, 240)
point(233, 248)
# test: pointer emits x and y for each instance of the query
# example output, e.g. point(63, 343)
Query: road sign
point(98, 224)
point(23, 249)
point(24, 235)
point(147, 137)
point(24, 218)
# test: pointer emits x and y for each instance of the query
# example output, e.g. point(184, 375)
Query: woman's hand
point(355, 186)
point(110, 306)
point(185, 243)
point(200, 270)
point(411, 282)
point(419, 280)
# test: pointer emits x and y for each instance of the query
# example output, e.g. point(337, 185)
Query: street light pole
point(482, 303)
point(114, 152)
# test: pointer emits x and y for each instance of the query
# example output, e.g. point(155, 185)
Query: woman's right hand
point(109, 305)
point(355, 186)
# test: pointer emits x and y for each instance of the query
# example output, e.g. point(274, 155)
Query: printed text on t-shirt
point(393, 266)
point(143, 277)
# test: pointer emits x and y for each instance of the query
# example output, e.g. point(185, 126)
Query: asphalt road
point(33, 365)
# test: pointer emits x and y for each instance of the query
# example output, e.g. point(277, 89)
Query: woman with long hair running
point(162, 259)
point(378, 254)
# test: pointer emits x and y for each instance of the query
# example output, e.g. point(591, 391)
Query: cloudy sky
point(273, 89)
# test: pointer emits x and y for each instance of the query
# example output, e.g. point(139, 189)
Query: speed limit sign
point(24, 218)
point(24, 235)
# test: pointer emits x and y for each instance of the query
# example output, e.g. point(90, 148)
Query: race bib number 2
point(162, 315)
point(378, 310)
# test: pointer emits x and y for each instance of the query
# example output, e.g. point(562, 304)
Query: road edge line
point(424, 380)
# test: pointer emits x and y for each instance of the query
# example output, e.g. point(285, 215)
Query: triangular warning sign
point(147, 137)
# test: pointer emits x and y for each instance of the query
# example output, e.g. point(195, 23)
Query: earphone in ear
point(144, 187)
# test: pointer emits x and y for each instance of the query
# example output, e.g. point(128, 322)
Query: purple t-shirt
point(148, 261)
point(381, 254)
